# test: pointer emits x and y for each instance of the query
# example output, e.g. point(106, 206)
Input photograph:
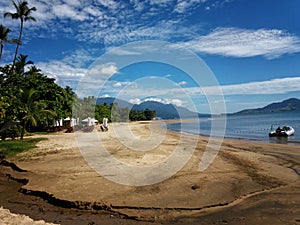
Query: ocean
point(254, 127)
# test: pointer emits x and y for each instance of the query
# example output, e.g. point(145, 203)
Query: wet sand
point(247, 183)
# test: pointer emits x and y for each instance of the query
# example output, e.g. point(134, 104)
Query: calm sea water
point(254, 127)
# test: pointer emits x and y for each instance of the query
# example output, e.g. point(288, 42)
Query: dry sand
point(8, 218)
point(247, 183)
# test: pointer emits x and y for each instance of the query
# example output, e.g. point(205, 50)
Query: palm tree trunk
point(23, 130)
point(1, 49)
point(18, 44)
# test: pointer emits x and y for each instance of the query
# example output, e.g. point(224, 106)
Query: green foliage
point(22, 13)
point(136, 115)
point(13, 147)
point(3, 38)
point(32, 109)
point(31, 98)
point(12, 131)
point(27, 97)
point(149, 114)
point(84, 108)
point(116, 114)
point(102, 111)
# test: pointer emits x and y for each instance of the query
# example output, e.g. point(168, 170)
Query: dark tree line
point(117, 114)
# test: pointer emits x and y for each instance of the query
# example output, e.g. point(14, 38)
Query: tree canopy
point(28, 98)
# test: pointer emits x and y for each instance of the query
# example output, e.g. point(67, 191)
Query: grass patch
point(13, 147)
point(39, 133)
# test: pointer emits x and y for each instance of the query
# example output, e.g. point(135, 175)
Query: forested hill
point(286, 105)
point(164, 111)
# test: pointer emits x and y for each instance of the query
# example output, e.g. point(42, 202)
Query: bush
point(13, 132)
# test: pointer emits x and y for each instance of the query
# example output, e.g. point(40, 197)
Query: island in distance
point(286, 105)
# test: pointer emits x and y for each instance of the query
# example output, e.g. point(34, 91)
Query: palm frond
point(30, 18)
point(14, 41)
point(31, 118)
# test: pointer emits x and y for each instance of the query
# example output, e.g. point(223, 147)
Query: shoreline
point(271, 140)
point(236, 177)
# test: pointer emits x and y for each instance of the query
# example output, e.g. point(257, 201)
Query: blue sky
point(251, 46)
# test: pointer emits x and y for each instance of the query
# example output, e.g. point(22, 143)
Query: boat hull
point(284, 132)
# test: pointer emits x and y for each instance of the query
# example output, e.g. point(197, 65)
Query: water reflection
point(279, 140)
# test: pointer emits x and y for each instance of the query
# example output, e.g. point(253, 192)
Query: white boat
point(285, 131)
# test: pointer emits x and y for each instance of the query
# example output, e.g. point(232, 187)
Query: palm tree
point(31, 108)
point(21, 63)
point(34, 69)
point(23, 14)
point(3, 37)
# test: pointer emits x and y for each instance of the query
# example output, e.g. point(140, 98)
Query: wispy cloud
point(103, 71)
point(274, 86)
point(235, 42)
point(172, 101)
point(182, 83)
point(58, 68)
point(217, 4)
point(63, 73)
point(138, 93)
point(69, 11)
point(112, 23)
point(104, 21)
point(183, 5)
point(70, 73)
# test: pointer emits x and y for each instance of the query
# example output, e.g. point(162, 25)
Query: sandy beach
point(247, 183)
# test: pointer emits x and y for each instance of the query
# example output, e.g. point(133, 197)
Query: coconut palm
point(21, 63)
point(23, 14)
point(4, 38)
point(32, 109)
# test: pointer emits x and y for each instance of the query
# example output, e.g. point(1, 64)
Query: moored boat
point(285, 131)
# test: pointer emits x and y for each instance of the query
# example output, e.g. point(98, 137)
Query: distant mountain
point(164, 111)
point(109, 101)
point(286, 105)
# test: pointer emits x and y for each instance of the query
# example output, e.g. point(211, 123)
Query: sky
point(246, 52)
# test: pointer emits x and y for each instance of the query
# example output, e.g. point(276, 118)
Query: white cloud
point(98, 21)
point(67, 11)
point(173, 101)
point(93, 11)
point(103, 71)
point(237, 42)
point(108, 3)
point(136, 101)
point(122, 51)
point(183, 5)
point(60, 69)
point(182, 83)
point(117, 84)
point(274, 86)
point(75, 3)
point(79, 58)
point(138, 6)
point(217, 4)
point(176, 102)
